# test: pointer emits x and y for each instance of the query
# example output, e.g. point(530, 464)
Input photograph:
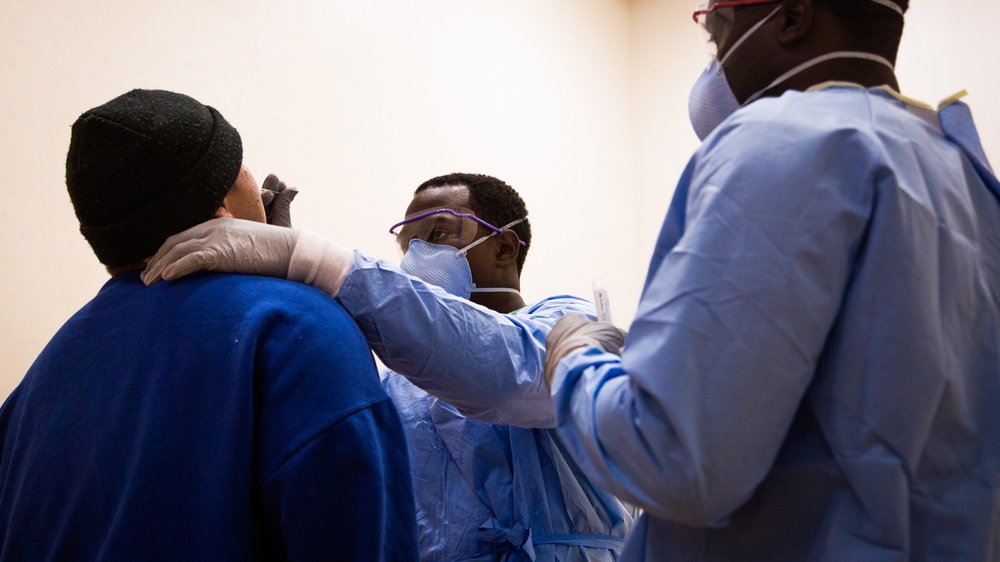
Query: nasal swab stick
point(601, 301)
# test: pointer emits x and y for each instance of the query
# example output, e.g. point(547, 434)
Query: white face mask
point(445, 267)
point(712, 100)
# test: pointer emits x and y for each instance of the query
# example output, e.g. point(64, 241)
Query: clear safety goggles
point(457, 226)
point(716, 21)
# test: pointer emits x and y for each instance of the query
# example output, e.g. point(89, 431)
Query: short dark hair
point(493, 201)
point(871, 27)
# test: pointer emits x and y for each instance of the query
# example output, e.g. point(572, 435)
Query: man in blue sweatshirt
point(219, 417)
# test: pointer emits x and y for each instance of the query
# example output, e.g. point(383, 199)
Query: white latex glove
point(574, 332)
point(240, 246)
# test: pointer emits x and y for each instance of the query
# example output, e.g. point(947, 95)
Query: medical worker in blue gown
point(813, 372)
point(464, 347)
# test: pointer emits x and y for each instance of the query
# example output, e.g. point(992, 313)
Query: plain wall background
point(581, 105)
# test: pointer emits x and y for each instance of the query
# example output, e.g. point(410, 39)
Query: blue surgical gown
point(499, 486)
point(813, 371)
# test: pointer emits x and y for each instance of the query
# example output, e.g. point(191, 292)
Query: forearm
point(486, 364)
point(625, 445)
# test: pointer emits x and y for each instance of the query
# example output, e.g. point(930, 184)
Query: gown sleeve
point(486, 364)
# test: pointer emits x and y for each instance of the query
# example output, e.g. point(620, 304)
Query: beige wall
point(580, 104)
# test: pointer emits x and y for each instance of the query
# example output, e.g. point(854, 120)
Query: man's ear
point(508, 247)
point(796, 17)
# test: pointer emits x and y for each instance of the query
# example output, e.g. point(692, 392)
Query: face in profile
point(243, 200)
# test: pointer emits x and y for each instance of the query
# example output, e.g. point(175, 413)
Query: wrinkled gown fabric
point(813, 371)
point(485, 490)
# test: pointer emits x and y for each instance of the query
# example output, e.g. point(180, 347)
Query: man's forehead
point(447, 196)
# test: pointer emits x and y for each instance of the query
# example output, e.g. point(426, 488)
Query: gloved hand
point(277, 199)
point(224, 244)
point(574, 332)
point(240, 246)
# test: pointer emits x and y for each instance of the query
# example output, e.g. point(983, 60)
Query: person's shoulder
point(790, 141)
point(800, 120)
point(301, 332)
point(239, 287)
point(557, 306)
point(267, 296)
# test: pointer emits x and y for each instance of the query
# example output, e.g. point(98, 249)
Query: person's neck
point(870, 77)
point(500, 302)
point(137, 266)
point(867, 74)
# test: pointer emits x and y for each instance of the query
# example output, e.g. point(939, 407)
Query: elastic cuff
point(320, 262)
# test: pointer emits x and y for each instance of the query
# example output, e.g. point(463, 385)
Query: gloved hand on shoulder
point(241, 246)
point(575, 333)
point(277, 199)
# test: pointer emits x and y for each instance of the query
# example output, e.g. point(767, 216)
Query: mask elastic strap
point(821, 59)
point(889, 4)
point(473, 289)
point(465, 250)
point(746, 36)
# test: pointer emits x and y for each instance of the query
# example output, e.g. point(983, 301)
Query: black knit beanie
point(146, 165)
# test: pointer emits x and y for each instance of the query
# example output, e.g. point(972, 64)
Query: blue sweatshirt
point(219, 417)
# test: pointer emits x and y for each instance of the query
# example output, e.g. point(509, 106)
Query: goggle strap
point(510, 224)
